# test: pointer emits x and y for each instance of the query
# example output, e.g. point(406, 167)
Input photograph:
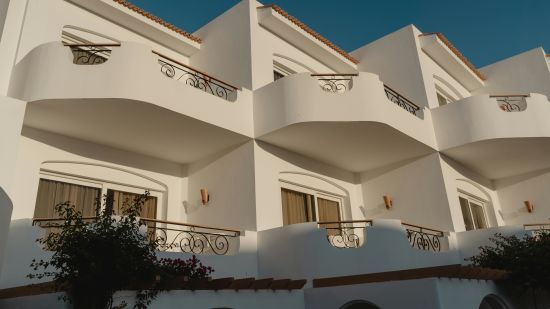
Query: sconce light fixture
point(205, 197)
point(529, 205)
point(388, 201)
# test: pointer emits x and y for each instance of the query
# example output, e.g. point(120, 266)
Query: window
point(51, 193)
point(277, 75)
point(280, 71)
point(310, 206)
point(472, 212)
point(442, 99)
point(84, 193)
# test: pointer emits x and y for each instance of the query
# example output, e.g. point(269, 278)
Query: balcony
point(131, 91)
point(363, 124)
point(484, 132)
point(352, 247)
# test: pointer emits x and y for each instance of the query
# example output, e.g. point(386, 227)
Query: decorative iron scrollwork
point(512, 103)
point(192, 241)
point(335, 83)
point(424, 238)
point(401, 101)
point(345, 234)
point(90, 54)
point(178, 71)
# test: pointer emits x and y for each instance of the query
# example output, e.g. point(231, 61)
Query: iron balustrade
point(335, 83)
point(401, 101)
point(537, 227)
point(91, 54)
point(190, 238)
point(178, 71)
point(424, 238)
point(345, 234)
point(170, 235)
point(511, 103)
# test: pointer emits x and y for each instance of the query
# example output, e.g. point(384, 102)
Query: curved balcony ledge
point(360, 127)
point(129, 96)
point(131, 72)
point(385, 248)
point(481, 134)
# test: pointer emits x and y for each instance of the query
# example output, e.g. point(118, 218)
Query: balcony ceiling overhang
point(353, 146)
point(141, 24)
point(504, 157)
point(270, 19)
point(436, 49)
point(134, 126)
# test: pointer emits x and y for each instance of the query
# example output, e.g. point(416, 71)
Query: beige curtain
point(121, 200)
point(479, 216)
point(329, 211)
point(52, 193)
point(465, 207)
point(297, 207)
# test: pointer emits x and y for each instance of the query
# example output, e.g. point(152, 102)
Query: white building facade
point(255, 129)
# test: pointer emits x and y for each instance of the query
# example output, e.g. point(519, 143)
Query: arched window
point(359, 304)
point(492, 302)
point(445, 92)
point(284, 66)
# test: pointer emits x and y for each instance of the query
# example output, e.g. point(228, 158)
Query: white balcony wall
point(514, 191)
point(229, 178)
point(273, 164)
point(6, 208)
point(525, 73)
point(417, 190)
point(395, 58)
point(44, 21)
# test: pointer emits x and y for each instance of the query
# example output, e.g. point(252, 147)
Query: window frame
point(104, 185)
point(316, 193)
point(477, 200)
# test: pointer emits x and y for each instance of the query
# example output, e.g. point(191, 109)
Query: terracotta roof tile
point(307, 29)
point(457, 53)
point(158, 20)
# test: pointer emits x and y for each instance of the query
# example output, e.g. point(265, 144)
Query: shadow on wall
point(6, 208)
point(359, 304)
point(103, 153)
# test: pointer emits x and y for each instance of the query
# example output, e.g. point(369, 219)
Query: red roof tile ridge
point(457, 53)
point(312, 32)
point(158, 20)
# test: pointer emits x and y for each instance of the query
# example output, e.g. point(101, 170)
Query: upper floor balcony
point(352, 121)
point(109, 93)
point(497, 135)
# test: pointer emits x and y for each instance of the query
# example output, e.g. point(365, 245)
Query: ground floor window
point(473, 212)
point(306, 205)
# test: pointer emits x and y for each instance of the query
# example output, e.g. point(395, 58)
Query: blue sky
point(485, 31)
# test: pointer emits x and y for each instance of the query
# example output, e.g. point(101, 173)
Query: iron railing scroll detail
point(424, 238)
point(195, 78)
point(401, 101)
point(335, 83)
point(511, 103)
point(345, 234)
point(176, 236)
point(91, 54)
point(170, 236)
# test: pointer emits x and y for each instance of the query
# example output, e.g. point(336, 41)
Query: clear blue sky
point(485, 31)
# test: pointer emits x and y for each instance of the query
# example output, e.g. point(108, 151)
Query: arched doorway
point(359, 304)
point(492, 302)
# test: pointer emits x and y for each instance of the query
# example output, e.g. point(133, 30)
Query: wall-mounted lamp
point(530, 206)
point(388, 201)
point(205, 197)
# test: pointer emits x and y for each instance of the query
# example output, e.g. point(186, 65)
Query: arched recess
point(78, 35)
point(447, 90)
point(289, 66)
point(320, 184)
point(108, 174)
point(492, 301)
point(359, 304)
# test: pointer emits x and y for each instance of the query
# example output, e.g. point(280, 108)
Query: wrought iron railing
point(424, 238)
point(335, 83)
point(91, 54)
point(190, 238)
point(171, 236)
point(537, 227)
point(176, 70)
point(511, 103)
point(401, 101)
point(345, 234)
